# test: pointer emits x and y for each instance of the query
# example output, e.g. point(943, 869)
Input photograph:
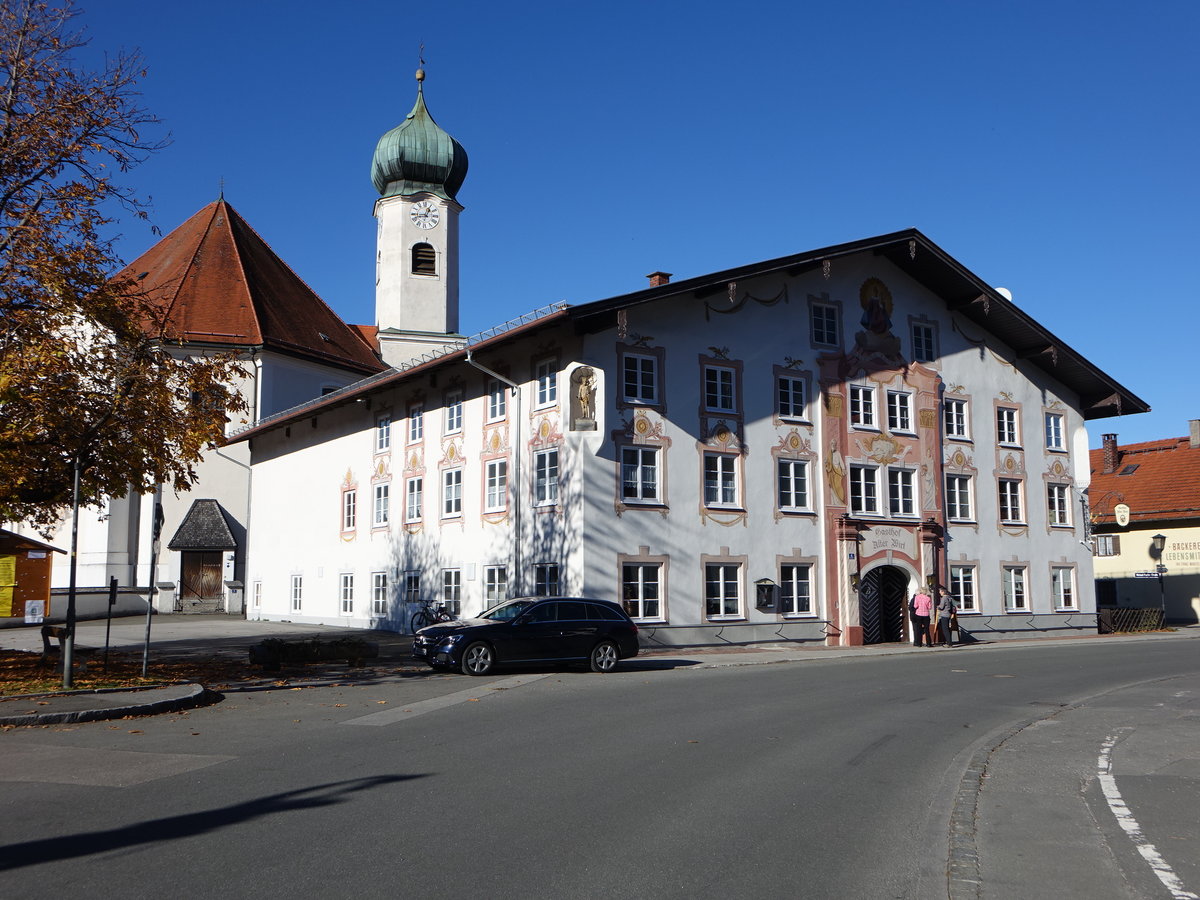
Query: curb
point(192, 696)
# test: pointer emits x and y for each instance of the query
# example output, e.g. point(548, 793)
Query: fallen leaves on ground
point(22, 672)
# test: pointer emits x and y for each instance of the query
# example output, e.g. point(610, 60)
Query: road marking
point(1130, 826)
point(412, 710)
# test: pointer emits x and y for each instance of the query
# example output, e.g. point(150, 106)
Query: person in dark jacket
point(946, 611)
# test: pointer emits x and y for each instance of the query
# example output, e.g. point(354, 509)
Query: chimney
point(1194, 434)
point(658, 279)
point(1111, 455)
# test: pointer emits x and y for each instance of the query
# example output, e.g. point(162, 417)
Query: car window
point(609, 614)
point(571, 611)
point(547, 612)
point(506, 612)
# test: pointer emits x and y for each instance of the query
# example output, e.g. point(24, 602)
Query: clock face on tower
point(424, 214)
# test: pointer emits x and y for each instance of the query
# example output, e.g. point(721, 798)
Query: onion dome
point(417, 155)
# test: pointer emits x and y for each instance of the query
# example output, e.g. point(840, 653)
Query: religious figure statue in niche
point(584, 401)
point(876, 302)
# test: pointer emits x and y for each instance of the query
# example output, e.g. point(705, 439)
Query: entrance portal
point(881, 603)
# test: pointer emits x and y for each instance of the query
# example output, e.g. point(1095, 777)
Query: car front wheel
point(604, 657)
point(477, 659)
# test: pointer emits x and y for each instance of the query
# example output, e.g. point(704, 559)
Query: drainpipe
point(515, 590)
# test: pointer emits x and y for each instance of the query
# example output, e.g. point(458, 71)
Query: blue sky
point(1050, 147)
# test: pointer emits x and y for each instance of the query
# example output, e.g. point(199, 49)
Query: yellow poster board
point(8, 581)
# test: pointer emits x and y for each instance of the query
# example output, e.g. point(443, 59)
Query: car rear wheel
point(604, 657)
point(478, 659)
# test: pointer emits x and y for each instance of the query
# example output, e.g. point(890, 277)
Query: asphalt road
point(822, 778)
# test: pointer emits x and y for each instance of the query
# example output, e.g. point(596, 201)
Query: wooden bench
point(82, 655)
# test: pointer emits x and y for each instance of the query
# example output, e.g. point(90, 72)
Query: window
point(413, 491)
point(962, 588)
point(1014, 589)
point(722, 594)
point(954, 418)
point(382, 505)
point(793, 484)
point(790, 396)
point(452, 591)
point(412, 587)
point(379, 593)
point(864, 489)
point(1010, 500)
point(901, 496)
point(958, 498)
point(545, 476)
point(862, 406)
point(545, 580)
point(452, 493)
point(719, 389)
point(297, 592)
point(546, 376)
point(1062, 585)
point(641, 590)
point(1108, 545)
point(424, 260)
point(256, 595)
point(1006, 425)
point(416, 424)
point(639, 473)
point(824, 323)
point(495, 584)
point(1058, 504)
point(346, 592)
point(720, 479)
point(924, 346)
point(899, 410)
point(454, 405)
point(497, 400)
point(640, 379)
point(795, 590)
point(383, 434)
point(1054, 432)
point(349, 510)
point(496, 497)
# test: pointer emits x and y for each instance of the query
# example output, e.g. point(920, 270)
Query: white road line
point(1131, 827)
point(412, 710)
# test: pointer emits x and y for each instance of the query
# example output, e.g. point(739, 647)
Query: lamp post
point(1160, 544)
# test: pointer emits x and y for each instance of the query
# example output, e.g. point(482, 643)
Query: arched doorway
point(881, 603)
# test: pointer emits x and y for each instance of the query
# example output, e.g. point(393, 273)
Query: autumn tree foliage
point(91, 373)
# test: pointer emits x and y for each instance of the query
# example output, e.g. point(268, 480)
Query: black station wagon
point(531, 630)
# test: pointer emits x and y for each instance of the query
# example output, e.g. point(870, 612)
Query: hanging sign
point(1121, 513)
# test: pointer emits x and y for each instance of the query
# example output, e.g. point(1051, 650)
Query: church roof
point(203, 528)
point(417, 155)
point(224, 285)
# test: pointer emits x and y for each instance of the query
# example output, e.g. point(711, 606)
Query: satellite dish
point(1005, 293)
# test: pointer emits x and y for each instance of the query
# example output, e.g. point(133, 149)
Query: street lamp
point(1159, 543)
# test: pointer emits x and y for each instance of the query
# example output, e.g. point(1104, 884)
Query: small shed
point(25, 566)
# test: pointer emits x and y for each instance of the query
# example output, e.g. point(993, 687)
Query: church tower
point(417, 169)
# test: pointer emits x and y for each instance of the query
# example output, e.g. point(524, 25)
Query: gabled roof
point(1162, 482)
point(223, 285)
point(203, 528)
point(10, 540)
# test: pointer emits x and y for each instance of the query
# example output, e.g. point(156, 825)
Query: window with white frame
point(383, 434)
point(454, 412)
point(795, 589)
point(1058, 504)
point(790, 397)
point(899, 411)
point(349, 510)
point(1015, 598)
point(1107, 545)
point(452, 493)
point(546, 377)
point(497, 400)
point(924, 342)
point(641, 590)
point(720, 479)
point(902, 492)
point(546, 580)
point(823, 319)
point(495, 584)
point(379, 593)
point(639, 474)
point(346, 592)
point(1010, 500)
point(954, 419)
point(297, 592)
point(1006, 425)
point(496, 485)
point(792, 485)
point(382, 507)
point(722, 591)
point(452, 591)
point(414, 490)
point(256, 595)
point(862, 406)
point(545, 476)
point(719, 389)
point(416, 424)
point(1055, 439)
point(1062, 585)
point(412, 586)
point(958, 498)
point(962, 588)
point(864, 489)
point(639, 383)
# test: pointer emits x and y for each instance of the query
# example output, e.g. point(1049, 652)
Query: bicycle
point(429, 614)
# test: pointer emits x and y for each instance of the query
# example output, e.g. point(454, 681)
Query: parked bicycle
point(430, 614)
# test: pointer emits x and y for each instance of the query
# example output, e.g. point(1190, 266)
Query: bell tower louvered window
point(424, 259)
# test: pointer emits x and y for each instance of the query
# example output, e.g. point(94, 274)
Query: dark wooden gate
point(881, 600)
point(201, 576)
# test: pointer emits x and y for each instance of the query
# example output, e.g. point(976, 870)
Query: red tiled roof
point(222, 284)
point(1164, 483)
